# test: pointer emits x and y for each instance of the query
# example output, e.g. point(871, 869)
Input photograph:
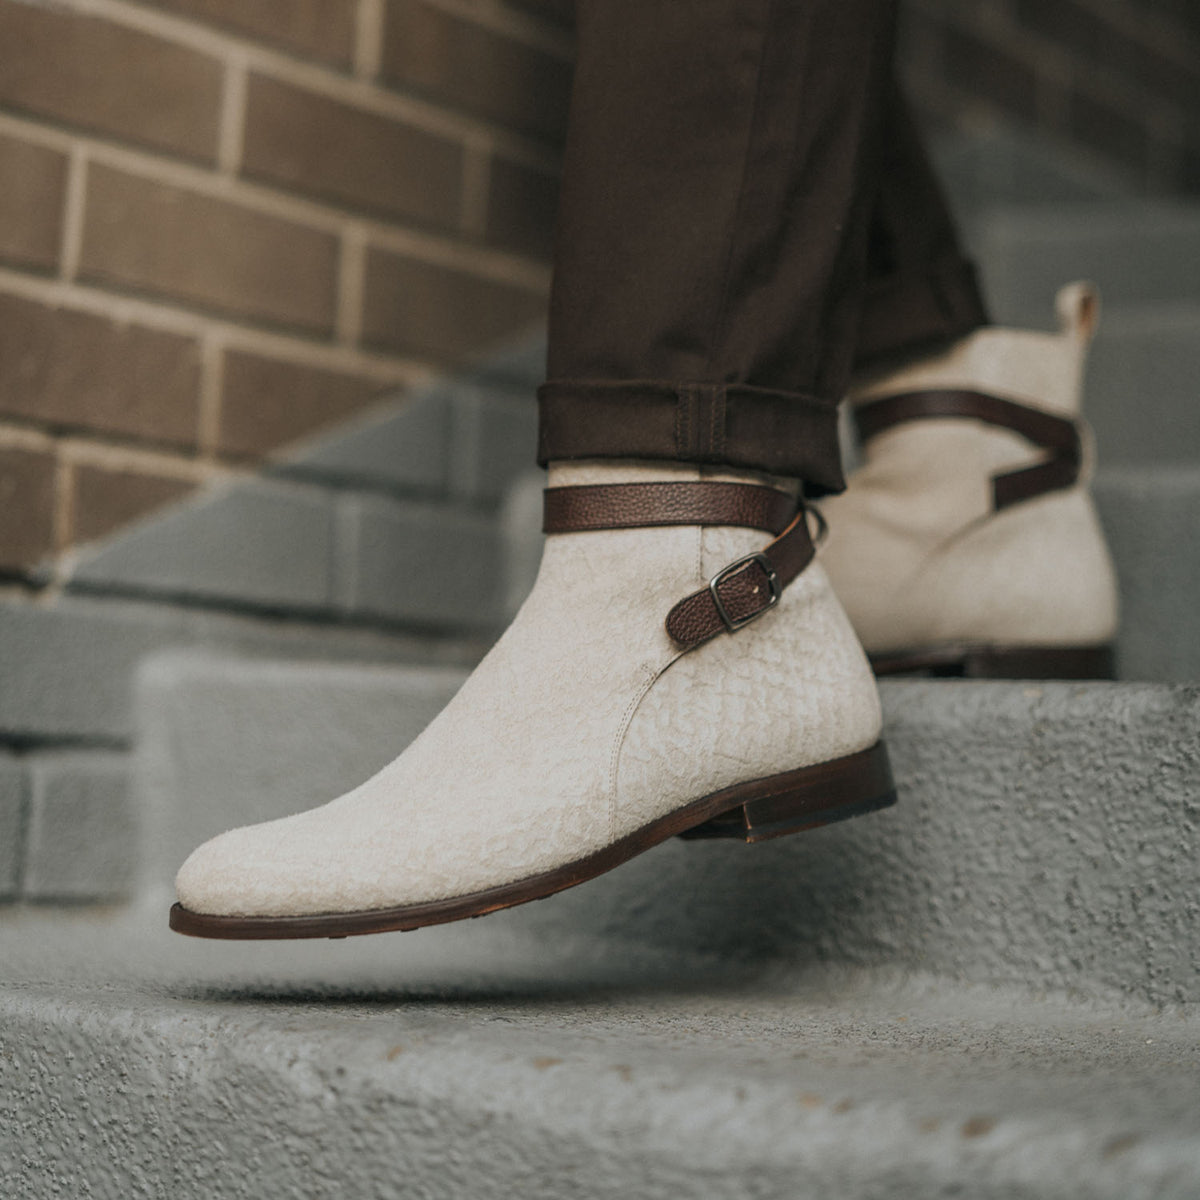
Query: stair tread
point(1100, 778)
point(535, 1075)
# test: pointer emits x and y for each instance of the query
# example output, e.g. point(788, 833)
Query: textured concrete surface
point(68, 667)
point(420, 563)
point(521, 530)
point(1000, 165)
point(521, 365)
point(1046, 835)
point(130, 1066)
point(1150, 516)
point(82, 827)
point(495, 443)
point(1136, 251)
point(393, 519)
point(403, 444)
point(252, 541)
point(67, 680)
point(226, 742)
point(1143, 383)
point(13, 788)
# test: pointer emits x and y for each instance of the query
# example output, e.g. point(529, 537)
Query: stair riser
point(1150, 518)
point(1143, 390)
point(1044, 835)
point(1136, 253)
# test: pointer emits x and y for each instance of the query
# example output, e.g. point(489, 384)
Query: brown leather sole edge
point(1000, 662)
point(763, 808)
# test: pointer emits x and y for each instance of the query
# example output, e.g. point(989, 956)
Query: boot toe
point(250, 871)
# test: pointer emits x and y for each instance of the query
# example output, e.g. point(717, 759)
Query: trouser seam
point(720, 314)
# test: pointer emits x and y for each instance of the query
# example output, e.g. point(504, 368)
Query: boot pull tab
point(1078, 308)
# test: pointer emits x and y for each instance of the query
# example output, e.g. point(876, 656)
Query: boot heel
point(805, 798)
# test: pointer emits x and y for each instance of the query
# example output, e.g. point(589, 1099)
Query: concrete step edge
point(861, 1088)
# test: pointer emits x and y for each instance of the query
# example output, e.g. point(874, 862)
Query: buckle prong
point(733, 624)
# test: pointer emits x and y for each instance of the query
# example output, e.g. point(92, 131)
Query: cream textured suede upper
point(583, 724)
point(915, 551)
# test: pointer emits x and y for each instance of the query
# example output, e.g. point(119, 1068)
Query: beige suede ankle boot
point(968, 543)
point(674, 671)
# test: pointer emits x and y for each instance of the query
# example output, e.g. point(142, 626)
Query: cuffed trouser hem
point(734, 425)
point(907, 313)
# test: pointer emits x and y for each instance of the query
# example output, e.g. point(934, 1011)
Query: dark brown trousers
point(748, 216)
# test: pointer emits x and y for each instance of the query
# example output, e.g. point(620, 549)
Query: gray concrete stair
point(1139, 252)
point(1150, 517)
point(412, 1066)
point(1143, 386)
point(1047, 834)
point(227, 741)
point(987, 991)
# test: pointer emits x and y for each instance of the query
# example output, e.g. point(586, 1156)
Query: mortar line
point(169, 318)
point(98, 447)
point(368, 39)
point(81, 450)
point(326, 80)
point(74, 208)
point(208, 410)
point(64, 502)
point(351, 285)
point(21, 437)
point(439, 249)
point(232, 122)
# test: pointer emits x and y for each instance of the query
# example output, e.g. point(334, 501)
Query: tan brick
point(93, 74)
point(438, 313)
point(26, 507)
point(464, 65)
point(268, 402)
point(522, 204)
point(309, 143)
point(31, 200)
point(78, 371)
point(321, 29)
point(152, 237)
point(105, 499)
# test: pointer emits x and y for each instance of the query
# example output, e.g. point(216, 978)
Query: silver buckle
point(772, 582)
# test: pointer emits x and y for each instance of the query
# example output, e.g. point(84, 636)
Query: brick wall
point(1119, 79)
point(225, 225)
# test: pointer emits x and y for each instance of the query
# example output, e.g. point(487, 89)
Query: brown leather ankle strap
point(738, 593)
point(638, 505)
point(1059, 435)
point(743, 590)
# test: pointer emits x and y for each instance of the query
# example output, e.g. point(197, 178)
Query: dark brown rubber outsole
point(750, 812)
point(965, 661)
